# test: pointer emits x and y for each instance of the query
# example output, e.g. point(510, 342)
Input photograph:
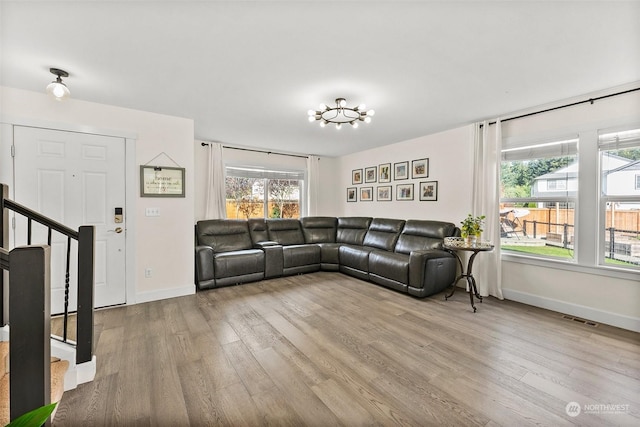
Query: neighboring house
point(622, 177)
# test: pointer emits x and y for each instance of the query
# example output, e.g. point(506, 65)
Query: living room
point(582, 288)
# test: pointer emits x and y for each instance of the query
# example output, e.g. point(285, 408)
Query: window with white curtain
point(254, 192)
point(538, 199)
point(619, 155)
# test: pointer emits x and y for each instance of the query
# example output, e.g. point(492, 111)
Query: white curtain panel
point(216, 201)
point(313, 186)
point(486, 201)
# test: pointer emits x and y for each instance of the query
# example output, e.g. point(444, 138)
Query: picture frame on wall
point(371, 174)
point(356, 176)
point(401, 170)
point(366, 194)
point(420, 168)
point(384, 172)
point(352, 194)
point(404, 191)
point(429, 191)
point(384, 193)
point(161, 181)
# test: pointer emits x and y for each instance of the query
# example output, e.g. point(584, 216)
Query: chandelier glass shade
point(340, 114)
point(57, 88)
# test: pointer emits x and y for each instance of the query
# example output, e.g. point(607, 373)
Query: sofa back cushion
point(418, 235)
point(285, 231)
point(258, 230)
point(383, 233)
point(224, 235)
point(319, 229)
point(351, 230)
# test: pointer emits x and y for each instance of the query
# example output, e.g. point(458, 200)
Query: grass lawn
point(557, 252)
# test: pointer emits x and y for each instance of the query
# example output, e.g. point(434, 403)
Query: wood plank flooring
point(326, 349)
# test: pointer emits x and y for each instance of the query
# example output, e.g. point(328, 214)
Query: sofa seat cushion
point(355, 257)
point(238, 263)
point(391, 265)
point(297, 255)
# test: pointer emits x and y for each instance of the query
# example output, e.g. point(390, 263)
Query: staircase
point(58, 370)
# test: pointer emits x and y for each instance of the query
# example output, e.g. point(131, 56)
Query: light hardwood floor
point(326, 349)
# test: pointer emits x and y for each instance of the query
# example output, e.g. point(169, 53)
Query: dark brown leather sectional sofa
point(403, 255)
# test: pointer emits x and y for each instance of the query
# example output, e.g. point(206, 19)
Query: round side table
point(455, 244)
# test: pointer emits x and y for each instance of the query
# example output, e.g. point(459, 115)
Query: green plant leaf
point(34, 418)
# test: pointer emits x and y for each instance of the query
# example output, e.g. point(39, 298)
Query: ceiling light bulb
point(323, 123)
point(56, 88)
point(371, 113)
point(362, 107)
point(338, 126)
point(312, 118)
point(355, 125)
point(311, 112)
point(322, 107)
point(367, 119)
point(342, 102)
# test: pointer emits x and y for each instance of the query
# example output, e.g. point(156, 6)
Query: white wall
point(165, 243)
point(450, 157)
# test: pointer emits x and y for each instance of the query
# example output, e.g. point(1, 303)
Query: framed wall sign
point(161, 181)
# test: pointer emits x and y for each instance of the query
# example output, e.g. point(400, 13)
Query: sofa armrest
point(265, 244)
point(204, 266)
point(434, 267)
point(273, 259)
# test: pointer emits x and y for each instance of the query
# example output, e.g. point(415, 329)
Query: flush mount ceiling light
point(56, 88)
point(340, 114)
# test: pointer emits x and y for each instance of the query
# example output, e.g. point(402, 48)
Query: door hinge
point(13, 151)
point(13, 223)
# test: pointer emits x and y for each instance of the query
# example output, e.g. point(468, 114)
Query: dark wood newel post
point(4, 242)
point(86, 283)
point(29, 348)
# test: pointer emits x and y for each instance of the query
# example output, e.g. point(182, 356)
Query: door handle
point(117, 230)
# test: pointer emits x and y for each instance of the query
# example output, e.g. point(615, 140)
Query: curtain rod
point(590, 100)
point(204, 144)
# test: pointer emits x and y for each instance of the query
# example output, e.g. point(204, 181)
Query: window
point(620, 198)
point(259, 193)
point(539, 190)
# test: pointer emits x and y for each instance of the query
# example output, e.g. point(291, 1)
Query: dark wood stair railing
point(29, 298)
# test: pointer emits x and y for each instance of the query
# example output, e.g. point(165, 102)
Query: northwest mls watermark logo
point(573, 409)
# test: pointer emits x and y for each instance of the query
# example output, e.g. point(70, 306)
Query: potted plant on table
point(472, 228)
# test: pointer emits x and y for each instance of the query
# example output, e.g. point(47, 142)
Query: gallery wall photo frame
point(161, 181)
point(404, 192)
point(366, 194)
point(384, 172)
point(371, 174)
point(384, 193)
point(356, 176)
point(428, 191)
point(401, 170)
point(352, 194)
point(420, 168)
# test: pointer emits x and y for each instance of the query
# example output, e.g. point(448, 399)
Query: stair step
point(58, 370)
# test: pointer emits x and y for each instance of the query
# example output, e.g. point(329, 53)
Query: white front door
point(76, 179)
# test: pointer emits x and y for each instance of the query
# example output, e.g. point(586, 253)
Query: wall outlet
point(147, 273)
point(152, 212)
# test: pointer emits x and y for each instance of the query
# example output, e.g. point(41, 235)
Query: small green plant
point(34, 418)
point(472, 226)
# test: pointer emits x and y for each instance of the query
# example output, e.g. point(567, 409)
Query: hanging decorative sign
point(161, 181)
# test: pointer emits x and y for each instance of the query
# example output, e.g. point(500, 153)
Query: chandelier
point(341, 114)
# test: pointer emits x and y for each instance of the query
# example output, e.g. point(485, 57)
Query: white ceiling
point(247, 72)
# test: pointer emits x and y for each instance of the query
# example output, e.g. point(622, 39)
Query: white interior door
point(76, 179)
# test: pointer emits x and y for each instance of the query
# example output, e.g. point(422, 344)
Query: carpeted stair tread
point(58, 370)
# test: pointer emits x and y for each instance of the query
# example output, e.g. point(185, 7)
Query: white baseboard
point(76, 374)
point(164, 294)
point(588, 313)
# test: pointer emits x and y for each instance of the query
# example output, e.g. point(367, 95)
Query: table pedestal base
point(471, 281)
